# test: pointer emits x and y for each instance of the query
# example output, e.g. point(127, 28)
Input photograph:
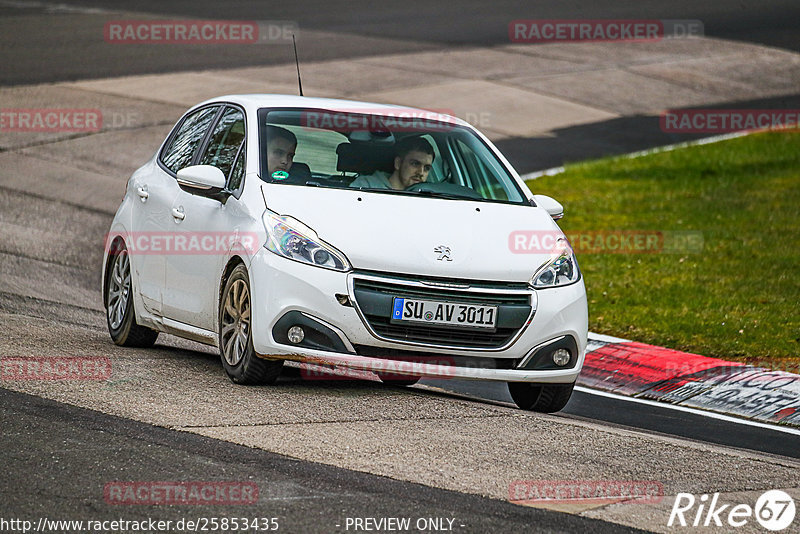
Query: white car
point(347, 235)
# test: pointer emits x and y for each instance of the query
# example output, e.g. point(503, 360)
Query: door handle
point(178, 213)
point(141, 190)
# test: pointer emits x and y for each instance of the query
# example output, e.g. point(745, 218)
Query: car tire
point(398, 380)
point(120, 314)
point(239, 359)
point(545, 398)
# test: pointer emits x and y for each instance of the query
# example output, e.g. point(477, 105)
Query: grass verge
point(736, 293)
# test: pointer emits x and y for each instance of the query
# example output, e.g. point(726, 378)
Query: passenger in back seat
point(412, 163)
point(281, 146)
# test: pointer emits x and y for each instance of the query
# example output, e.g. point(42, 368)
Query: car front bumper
point(284, 290)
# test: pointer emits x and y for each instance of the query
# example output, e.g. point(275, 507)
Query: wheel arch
point(233, 262)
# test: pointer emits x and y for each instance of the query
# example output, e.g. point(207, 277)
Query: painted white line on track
point(53, 7)
point(685, 144)
point(608, 339)
point(656, 150)
point(538, 174)
point(695, 411)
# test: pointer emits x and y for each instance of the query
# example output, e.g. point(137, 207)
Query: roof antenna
point(297, 62)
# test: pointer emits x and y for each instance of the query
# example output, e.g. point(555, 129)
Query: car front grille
point(374, 298)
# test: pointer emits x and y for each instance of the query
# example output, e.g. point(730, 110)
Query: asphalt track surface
point(42, 43)
point(49, 41)
point(57, 457)
point(662, 420)
point(61, 457)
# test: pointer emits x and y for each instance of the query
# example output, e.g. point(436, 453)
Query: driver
point(412, 163)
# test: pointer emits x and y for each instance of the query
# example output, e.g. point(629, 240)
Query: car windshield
point(390, 152)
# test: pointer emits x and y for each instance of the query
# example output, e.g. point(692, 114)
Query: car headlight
point(292, 239)
point(561, 270)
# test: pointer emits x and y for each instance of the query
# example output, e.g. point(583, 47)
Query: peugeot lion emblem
point(443, 252)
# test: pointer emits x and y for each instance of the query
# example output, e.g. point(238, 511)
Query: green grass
point(739, 297)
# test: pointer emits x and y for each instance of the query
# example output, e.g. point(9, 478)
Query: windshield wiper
point(431, 194)
point(441, 194)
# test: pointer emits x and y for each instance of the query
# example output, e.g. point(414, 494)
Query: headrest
point(299, 173)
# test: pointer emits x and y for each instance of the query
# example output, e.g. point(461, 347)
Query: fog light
point(296, 334)
point(561, 357)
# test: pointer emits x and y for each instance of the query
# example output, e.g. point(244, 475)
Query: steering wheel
point(445, 188)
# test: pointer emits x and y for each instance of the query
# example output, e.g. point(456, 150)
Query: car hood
point(402, 234)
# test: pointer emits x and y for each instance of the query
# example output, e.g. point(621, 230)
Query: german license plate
point(443, 313)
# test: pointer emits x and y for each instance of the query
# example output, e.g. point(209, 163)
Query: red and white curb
point(642, 371)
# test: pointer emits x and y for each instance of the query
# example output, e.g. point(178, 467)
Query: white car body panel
point(377, 232)
point(404, 230)
point(148, 216)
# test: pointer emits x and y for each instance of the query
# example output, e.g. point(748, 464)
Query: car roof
point(256, 101)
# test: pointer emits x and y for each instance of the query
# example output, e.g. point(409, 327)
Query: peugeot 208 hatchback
point(347, 235)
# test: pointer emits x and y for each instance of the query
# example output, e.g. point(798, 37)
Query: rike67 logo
point(774, 510)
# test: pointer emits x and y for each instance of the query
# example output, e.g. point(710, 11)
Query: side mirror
point(203, 180)
point(550, 205)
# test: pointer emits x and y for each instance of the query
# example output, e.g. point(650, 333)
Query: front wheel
point(545, 398)
point(120, 315)
point(239, 358)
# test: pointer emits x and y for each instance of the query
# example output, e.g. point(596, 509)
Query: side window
point(316, 148)
point(484, 179)
point(225, 141)
point(190, 133)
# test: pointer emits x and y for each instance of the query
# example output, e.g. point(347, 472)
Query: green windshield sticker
point(280, 175)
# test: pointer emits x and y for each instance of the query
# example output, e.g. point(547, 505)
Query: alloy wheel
point(119, 289)
point(236, 322)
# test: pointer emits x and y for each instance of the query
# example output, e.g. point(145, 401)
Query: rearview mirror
point(202, 177)
point(203, 180)
point(550, 205)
